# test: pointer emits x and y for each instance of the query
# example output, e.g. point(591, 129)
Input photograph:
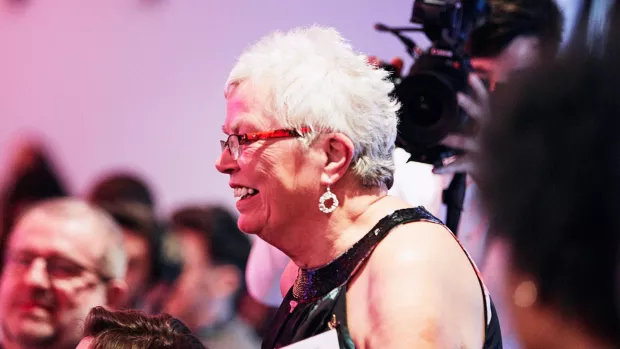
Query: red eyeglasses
point(234, 142)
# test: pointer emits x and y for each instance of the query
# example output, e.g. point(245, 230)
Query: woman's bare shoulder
point(420, 277)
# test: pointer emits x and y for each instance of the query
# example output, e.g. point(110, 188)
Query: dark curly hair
point(550, 178)
point(133, 329)
point(512, 18)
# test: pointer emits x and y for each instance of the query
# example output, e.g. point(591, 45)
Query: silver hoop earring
point(327, 196)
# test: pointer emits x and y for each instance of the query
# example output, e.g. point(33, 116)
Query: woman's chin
point(248, 223)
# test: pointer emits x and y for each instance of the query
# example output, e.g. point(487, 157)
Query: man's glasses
point(55, 266)
point(234, 141)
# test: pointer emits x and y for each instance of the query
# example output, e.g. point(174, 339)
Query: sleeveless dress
point(317, 301)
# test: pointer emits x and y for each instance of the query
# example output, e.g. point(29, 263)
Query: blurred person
point(29, 151)
point(207, 295)
point(105, 329)
point(140, 239)
point(309, 152)
point(517, 35)
point(564, 125)
point(32, 177)
point(548, 173)
point(130, 201)
point(63, 257)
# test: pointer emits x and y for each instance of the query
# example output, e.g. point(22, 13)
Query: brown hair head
point(133, 329)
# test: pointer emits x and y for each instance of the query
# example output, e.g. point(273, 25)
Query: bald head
point(88, 224)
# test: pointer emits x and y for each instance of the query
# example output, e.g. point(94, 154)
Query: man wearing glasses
point(63, 258)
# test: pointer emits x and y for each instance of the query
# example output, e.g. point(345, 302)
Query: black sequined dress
point(317, 301)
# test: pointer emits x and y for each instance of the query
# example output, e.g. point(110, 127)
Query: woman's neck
point(327, 239)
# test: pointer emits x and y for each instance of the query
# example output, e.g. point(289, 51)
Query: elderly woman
point(549, 173)
point(310, 131)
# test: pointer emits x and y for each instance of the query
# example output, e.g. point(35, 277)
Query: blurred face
point(194, 289)
point(282, 175)
point(51, 280)
point(138, 267)
point(521, 54)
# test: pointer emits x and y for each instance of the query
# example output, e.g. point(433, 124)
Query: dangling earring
point(326, 196)
point(525, 294)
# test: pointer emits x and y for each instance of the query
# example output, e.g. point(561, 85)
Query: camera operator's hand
point(477, 107)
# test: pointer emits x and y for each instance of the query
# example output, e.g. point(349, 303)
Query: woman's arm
point(423, 292)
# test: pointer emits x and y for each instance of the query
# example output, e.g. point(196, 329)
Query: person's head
point(215, 254)
point(516, 35)
point(106, 329)
point(63, 257)
point(141, 247)
point(124, 187)
point(309, 81)
point(549, 170)
point(130, 201)
point(33, 178)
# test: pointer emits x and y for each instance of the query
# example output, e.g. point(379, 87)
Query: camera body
point(428, 94)
point(429, 108)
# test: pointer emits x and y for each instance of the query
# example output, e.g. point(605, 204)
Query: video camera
point(427, 94)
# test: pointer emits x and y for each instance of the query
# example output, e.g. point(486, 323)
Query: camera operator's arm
point(477, 107)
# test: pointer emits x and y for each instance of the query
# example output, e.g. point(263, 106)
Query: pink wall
point(139, 84)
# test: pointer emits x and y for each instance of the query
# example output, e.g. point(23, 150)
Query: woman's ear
point(339, 149)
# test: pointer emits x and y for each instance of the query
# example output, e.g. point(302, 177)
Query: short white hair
point(313, 77)
point(114, 260)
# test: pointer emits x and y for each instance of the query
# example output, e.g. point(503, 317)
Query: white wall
point(139, 83)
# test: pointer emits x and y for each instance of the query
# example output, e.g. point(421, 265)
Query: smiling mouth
point(242, 193)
